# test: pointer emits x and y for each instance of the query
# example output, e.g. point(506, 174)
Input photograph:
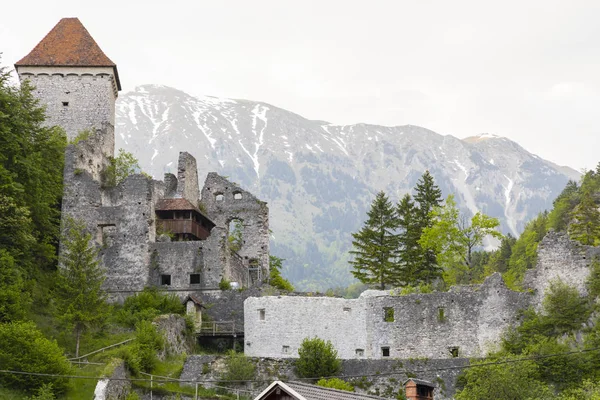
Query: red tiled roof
point(175, 204)
point(68, 44)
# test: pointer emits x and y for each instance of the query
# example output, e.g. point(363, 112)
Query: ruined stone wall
point(560, 258)
point(467, 320)
point(375, 377)
point(276, 326)
point(76, 98)
point(225, 201)
point(187, 178)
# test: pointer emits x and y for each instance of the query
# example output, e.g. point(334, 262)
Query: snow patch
point(154, 155)
point(462, 168)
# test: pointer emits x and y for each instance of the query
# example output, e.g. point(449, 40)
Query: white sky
point(528, 70)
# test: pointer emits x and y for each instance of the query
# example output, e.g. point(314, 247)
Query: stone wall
point(187, 178)
point(377, 377)
point(76, 98)
point(560, 258)
point(225, 201)
point(465, 322)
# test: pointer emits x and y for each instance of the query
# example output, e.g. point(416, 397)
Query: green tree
point(79, 298)
point(121, 166)
point(235, 237)
point(24, 348)
point(14, 297)
point(504, 381)
point(275, 278)
point(317, 359)
point(31, 174)
point(410, 257)
point(585, 227)
point(428, 197)
point(453, 238)
point(375, 246)
point(560, 216)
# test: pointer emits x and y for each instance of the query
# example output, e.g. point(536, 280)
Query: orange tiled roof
point(68, 44)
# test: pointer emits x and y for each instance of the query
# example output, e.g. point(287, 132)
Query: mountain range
point(320, 178)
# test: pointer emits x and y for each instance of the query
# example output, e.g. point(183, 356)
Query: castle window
point(237, 196)
point(219, 197)
point(261, 314)
point(285, 349)
point(453, 351)
point(194, 279)
point(388, 314)
point(360, 352)
point(347, 310)
point(385, 351)
point(441, 314)
point(65, 104)
point(165, 280)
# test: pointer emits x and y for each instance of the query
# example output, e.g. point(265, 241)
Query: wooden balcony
point(181, 227)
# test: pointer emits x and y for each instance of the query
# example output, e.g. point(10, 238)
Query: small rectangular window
point(261, 314)
point(194, 279)
point(385, 351)
point(65, 103)
point(347, 309)
point(285, 349)
point(165, 280)
point(360, 352)
point(441, 314)
point(453, 352)
point(388, 314)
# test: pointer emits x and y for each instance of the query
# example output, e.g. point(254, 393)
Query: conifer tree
point(428, 196)
point(585, 226)
point(79, 298)
point(410, 253)
point(375, 246)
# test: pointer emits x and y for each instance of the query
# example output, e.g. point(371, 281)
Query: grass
point(83, 388)
point(10, 394)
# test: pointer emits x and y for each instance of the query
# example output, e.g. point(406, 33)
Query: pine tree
point(428, 196)
point(585, 227)
point(375, 246)
point(410, 253)
point(79, 298)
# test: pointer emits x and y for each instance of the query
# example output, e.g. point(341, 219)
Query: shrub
point(24, 348)
point(146, 344)
point(147, 305)
point(224, 284)
point(238, 367)
point(318, 359)
point(336, 383)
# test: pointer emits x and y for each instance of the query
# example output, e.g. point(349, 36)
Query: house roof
point(304, 391)
point(419, 382)
point(68, 44)
point(193, 298)
point(179, 204)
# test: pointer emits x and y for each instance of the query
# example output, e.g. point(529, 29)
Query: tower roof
point(68, 44)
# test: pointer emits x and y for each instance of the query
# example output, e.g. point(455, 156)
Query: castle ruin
point(78, 84)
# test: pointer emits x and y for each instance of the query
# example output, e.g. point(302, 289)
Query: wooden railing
point(218, 328)
point(184, 226)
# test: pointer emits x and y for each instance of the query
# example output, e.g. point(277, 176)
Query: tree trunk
point(77, 335)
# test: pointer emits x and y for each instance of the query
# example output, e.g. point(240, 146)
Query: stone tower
point(75, 80)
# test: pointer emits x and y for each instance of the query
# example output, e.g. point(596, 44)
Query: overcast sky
point(527, 70)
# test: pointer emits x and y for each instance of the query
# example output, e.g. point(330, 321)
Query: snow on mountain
point(320, 178)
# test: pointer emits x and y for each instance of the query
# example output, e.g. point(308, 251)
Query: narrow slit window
point(261, 314)
point(388, 314)
point(441, 314)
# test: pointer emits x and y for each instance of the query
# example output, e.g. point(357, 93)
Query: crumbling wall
point(173, 330)
point(225, 201)
point(187, 178)
point(464, 322)
point(559, 258)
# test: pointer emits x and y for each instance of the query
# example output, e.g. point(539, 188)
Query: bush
point(318, 359)
point(238, 367)
point(146, 344)
point(336, 383)
point(224, 284)
point(147, 305)
point(24, 348)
